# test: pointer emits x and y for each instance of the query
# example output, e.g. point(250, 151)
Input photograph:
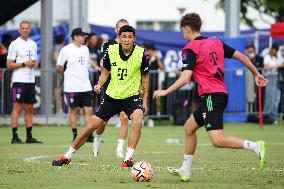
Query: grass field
point(29, 165)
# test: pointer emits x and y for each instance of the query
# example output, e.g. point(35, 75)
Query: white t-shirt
point(76, 75)
point(272, 63)
point(21, 51)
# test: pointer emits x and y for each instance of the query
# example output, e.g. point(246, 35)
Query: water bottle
point(173, 141)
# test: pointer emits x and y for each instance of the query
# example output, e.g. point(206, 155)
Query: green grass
point(212, 168)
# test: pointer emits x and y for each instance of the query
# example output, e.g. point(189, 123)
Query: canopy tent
point(9, 9)
point(277, 30)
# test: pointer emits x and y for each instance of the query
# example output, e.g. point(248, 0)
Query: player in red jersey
point(203, 61)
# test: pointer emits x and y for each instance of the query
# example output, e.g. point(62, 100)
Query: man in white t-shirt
point(73, 62)
point(272, 92)
point(22, 59)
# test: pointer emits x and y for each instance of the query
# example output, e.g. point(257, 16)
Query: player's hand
point(97, 89)
point(159, 93)
point(145, 108)
point(30, 63)
point(260, 80)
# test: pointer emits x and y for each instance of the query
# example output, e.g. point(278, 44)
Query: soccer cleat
point(16, 141)
point(119, 154)
point(95, 149)
point(32, 141)
point(127, 163)
point(61, 160)
point(261, 149)
point(184, 175)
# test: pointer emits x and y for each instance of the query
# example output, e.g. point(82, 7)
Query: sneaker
point(261, 148)
point(119, 154)
point(90, 138)
point(95, 149)
point(127, 163)
point(32, 141)
point(16, 141)
point(184, 175)
point(61, 160)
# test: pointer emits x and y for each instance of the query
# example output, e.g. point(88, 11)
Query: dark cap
point(78, 31)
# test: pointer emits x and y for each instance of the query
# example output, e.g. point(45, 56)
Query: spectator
point(58, 80)
point(281, 78)
point(251, 89)
point(92, 43)
point(6, 41)
point(272, 92)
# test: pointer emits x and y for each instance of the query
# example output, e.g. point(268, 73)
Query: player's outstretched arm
point(145, 88)
point(259, 79)
point(182, 80)
point(102, 79)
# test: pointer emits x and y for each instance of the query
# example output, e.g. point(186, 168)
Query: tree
point(273, 8)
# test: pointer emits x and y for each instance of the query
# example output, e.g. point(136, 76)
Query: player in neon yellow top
point(128, 65)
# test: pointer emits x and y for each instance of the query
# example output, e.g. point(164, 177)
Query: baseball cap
point(78, 31)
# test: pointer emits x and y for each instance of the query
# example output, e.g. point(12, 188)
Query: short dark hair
point(59, 39)
point(126, 28)
point(250, 46)
point(149, 46)
point(192, 20)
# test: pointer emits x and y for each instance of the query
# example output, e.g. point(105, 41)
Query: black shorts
point(23, 93)
point(79, 99)
point(210, 111)
point(110, 107)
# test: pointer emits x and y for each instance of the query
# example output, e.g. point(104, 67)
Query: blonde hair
point(121, 21)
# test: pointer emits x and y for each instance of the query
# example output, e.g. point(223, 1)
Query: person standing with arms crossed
point(123, 129)
point(203, 60)
point(73, 63)
point(22, 59)
point(128, 65)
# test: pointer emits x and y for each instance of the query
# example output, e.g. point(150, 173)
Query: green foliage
point(212, 167)
point(273, 8)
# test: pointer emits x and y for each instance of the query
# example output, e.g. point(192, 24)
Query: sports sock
point(15, 132)
point(129, 154)
point(97, 139)
point(29, 132)
point(249, 145)
point(70, 153)
point(74, 131)
point(120, 144)
point(187, 162)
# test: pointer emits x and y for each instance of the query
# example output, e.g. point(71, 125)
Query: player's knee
point(217, 143)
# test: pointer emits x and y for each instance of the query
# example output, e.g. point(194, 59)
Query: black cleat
point(16, 141)
point(33, 141)
point(61, 160)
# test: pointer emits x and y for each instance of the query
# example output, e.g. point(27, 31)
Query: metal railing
point(178, 104)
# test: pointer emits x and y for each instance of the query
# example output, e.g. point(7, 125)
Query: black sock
point(74, 133)
point(29, 132)
point(15, 132)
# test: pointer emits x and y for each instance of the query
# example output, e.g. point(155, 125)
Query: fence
point(243, 99)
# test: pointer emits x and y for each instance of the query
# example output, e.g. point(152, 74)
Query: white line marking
point(30, 159)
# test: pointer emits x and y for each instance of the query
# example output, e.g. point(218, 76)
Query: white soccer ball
point(142, 171)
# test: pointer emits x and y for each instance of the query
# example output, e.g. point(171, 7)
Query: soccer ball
point(142, 172)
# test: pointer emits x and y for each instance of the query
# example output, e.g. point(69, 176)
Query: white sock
point(120, 144)
point(249, 145)
point(70, 153)
point(129, 153)
point(97, 139)
point(187, 162)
